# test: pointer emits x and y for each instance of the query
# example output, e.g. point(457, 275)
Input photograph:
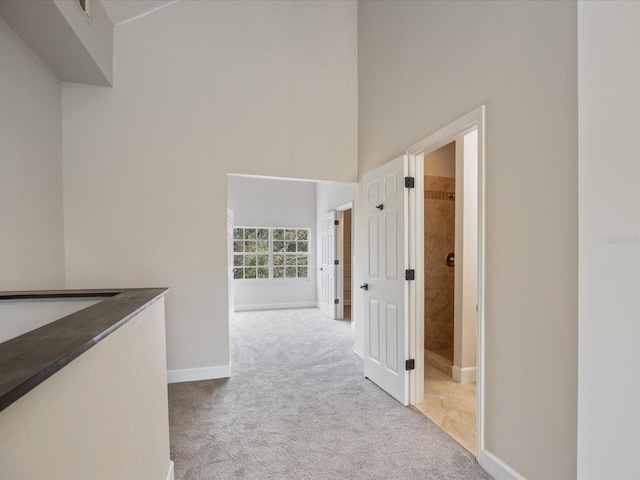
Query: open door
point(386, 308)
point(328, 267)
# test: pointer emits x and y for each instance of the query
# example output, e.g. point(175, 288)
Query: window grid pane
point(270, 253)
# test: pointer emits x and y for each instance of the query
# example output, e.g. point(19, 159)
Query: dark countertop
point(29, 359)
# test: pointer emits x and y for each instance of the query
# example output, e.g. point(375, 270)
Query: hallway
point(298, 407)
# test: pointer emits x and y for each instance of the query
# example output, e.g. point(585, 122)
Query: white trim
point(339, 269)
point(415, 378)
point(446, 135)
point(274, 306)
point(171, 473)
point(480, 123)
point(346, 206)
point(146, 13)
point(418, 250)
point(464, 375)
point(497, 468)
point(196, 374)
point(358, 358)
point(271, 253)
point(268, 281)
point(472, 120)
point(289, 179)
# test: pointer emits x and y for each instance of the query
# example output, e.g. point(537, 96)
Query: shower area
point(439, 257)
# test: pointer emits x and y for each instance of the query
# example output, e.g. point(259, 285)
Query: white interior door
point(328, 268)
point(230, 272)
point(385, 204)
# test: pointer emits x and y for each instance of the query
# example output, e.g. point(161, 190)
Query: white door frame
point(474, 120)
point(230, 270)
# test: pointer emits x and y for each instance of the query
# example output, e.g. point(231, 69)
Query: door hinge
point(410, 274)
point(336, 262)
point(336, 301)
point(410, 364)
point(409, 182)
point(336, 222)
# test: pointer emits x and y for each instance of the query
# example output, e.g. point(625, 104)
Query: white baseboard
point(359, 360)
point(274, 306)
point(497, 468)
point(195, 374)
point(358, 354)
point(464, 375)
point(171, 474)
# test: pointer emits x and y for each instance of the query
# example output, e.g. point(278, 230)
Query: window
point(270, 253)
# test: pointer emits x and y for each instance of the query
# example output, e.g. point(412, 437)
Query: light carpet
point(298, 407)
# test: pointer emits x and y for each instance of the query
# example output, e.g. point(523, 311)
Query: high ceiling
point(121, 11)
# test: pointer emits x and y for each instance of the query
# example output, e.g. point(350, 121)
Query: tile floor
point(451, 406)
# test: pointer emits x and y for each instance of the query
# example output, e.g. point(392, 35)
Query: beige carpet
point(298, 407)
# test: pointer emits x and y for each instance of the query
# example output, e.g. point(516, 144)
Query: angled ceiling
point(121, 11)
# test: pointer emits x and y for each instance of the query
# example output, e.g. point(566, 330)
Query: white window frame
point(271, 254)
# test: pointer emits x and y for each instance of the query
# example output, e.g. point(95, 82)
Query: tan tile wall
point(439, 240)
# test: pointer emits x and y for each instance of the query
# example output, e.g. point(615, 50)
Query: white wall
point(520, 60)
point(31, 235)
point(264, 202)
point(201, 89)
point(609, 103)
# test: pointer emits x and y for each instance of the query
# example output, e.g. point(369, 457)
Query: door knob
point(364, 286)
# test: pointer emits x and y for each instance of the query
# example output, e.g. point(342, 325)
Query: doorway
point(347, 277)
point(450, 288)
point(466, 377)
point(390, 270)
point(345, 260)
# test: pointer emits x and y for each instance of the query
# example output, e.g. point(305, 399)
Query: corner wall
point(520, 60)
point(609, 75)
point(31, 234)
